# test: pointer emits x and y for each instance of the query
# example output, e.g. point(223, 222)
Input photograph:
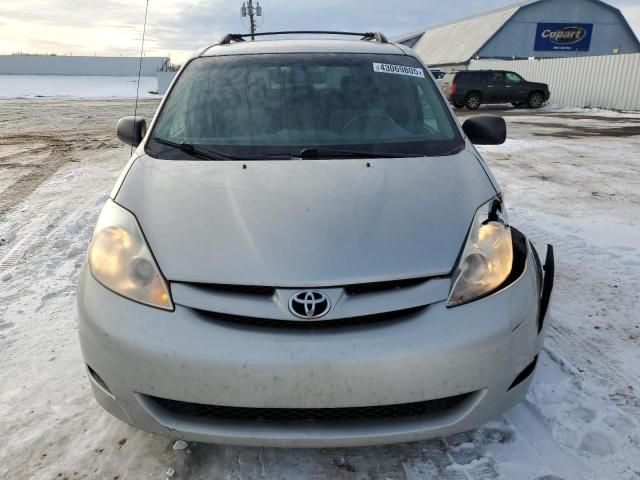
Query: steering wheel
point(382, 116)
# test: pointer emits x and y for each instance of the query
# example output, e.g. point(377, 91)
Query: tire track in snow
point(533, 430)
point(604, 275)
point(35, 176)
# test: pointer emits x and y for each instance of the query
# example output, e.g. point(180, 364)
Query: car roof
point(305, 46)
point(485, 71)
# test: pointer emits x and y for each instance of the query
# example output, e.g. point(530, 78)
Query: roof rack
point(239, 37)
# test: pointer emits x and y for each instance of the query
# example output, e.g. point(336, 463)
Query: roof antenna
point(135, 112)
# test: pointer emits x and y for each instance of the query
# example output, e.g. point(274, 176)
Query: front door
point(515, 88)
point(495, 92)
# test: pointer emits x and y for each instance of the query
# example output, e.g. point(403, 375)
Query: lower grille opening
point(323, 415)
point(524, 374)
point(310, 325)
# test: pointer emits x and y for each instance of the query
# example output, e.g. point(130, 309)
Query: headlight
point(487, 256)
point(120, 259)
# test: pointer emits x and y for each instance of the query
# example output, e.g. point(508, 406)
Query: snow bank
point(555, 108)
point(72, 87)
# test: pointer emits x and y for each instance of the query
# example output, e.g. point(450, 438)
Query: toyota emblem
point(309, 304)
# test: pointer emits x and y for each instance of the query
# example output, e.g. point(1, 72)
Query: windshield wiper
point(210, 154)
point(195, 151)
point(305, 153)
point(312, 153)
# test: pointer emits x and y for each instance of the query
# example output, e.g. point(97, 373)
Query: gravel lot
point(571, 177)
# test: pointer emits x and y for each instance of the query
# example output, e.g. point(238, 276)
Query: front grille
point(353, 289)
point(323, 415)
point(240, 289)
point(359, 288)
point(310, 324)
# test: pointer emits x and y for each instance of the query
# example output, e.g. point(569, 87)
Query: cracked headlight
point(121, 260)
point(487, 257)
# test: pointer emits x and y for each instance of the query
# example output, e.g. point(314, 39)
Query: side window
point(190, 107)
point(495, 78)
point(427, 110)
point(432, 117)
point(513, 77)
point(472, 77)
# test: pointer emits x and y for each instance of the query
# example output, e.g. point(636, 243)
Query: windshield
point(264, 106)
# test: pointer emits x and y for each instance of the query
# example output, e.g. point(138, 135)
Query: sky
point(177, 27)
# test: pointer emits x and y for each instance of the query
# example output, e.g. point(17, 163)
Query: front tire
point(473, 101)
point(536, 99)
point(458, 105)
point(517, 104)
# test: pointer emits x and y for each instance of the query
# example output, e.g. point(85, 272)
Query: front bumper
point(136, 354)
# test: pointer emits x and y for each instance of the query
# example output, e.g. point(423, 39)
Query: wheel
point(473, 101)
point(536, 99)
point(517, 104)
point(458, 104)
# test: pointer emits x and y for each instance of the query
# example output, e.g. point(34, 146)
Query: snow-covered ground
point(572, 178)
point(62, 86)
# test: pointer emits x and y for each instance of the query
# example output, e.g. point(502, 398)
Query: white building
point(540, 29)
point(72, 65)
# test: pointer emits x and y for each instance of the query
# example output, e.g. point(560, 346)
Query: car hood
point(304, 223)
point(540, 85)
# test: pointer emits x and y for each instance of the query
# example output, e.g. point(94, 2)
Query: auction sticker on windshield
point(398, 69)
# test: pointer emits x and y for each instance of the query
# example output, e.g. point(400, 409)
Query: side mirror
point(486, 130)
point(131, 130)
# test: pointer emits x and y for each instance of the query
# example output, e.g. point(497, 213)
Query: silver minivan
point(307, 250)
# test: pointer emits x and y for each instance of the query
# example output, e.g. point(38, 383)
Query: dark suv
point(472, 88)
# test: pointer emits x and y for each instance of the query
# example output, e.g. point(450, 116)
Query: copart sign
point(563, 36)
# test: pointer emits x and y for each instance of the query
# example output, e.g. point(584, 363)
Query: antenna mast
point(144, 31)
point(248, 10)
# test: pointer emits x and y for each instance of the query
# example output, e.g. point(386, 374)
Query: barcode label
point(398, 69)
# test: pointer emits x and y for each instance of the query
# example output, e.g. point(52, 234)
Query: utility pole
point(248, 10)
